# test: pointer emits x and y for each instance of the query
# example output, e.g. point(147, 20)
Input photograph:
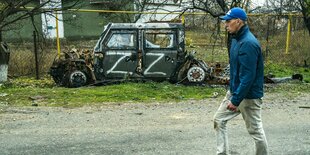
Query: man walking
point(246, 84)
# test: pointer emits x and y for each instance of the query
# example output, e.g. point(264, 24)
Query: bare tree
point(305, 10)
point(140, 5)
point(218, 8)
point(289, 6)
point(120, 5)
point(13, 11)
point(154, 6)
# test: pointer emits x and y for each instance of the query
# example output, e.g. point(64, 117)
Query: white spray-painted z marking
point(125, 54)
point(160, 56)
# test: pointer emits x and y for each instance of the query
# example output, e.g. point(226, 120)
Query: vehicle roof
point(145, 25)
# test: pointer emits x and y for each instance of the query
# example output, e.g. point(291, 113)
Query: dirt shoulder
point(152, 128)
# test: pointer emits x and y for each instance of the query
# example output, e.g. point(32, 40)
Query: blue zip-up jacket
point(246, 67)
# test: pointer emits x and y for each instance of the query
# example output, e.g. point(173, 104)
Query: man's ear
point(238, 21)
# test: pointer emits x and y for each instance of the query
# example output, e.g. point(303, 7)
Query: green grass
point(31, 92)
point(287, 90)
point(287, 71)
point(20, 91)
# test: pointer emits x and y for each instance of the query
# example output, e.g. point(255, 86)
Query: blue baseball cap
point(235, 13)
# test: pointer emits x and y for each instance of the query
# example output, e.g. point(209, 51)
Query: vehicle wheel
point(77, 79)
point(196, 74)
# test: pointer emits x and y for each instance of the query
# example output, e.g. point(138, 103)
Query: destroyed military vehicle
point(133, 51)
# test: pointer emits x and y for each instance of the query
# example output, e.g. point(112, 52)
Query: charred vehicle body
point(134, 51)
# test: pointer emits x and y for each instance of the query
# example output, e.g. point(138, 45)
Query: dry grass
point(22, 57)
point(22, 61)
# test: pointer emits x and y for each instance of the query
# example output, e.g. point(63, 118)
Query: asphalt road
point(150, 128)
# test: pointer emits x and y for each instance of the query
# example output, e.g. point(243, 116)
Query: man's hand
point(231, 107)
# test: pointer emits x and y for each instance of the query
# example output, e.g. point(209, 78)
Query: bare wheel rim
point(196, 74)
point(77, 79)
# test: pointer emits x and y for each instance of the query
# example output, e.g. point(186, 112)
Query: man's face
point(233, 25)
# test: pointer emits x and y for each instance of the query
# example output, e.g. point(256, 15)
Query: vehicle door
point(160, 53)
point(120, 50)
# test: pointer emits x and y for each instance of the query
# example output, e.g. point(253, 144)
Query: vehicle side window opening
point(160, 40)
point(181, 38)
point(98, 46)
point(122, 41)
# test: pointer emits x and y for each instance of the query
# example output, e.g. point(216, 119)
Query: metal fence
point(285, 41)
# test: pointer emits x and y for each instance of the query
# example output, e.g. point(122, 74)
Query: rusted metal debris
point(272, 79)
point(305, 107)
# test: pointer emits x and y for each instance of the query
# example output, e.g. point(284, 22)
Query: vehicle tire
point(58, 78)
point(77, 79)
point(196, 74)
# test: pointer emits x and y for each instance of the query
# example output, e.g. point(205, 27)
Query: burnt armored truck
point(133, 51)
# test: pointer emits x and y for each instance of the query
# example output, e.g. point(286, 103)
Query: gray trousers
point(250, 109)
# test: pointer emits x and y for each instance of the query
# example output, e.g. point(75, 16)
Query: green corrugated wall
point(77, 25)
